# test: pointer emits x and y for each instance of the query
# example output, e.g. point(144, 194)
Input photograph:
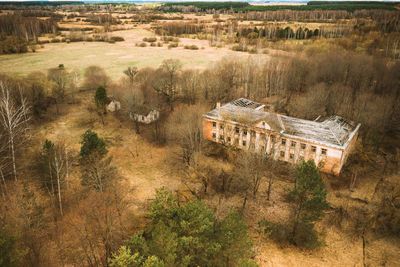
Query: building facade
point(244, 124)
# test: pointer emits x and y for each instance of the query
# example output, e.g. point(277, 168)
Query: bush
point(167, 38)
point(150, 39)
point(253, 50)
point(117, 39)
point(239, 48)
point(142, 44)
point(13, 44)
point(192, 47)
point(276, 231)
point(170, 39)
point(152, 44)
point(55, 40)
point(172, 45)
point(76, 39)
point(159, 44)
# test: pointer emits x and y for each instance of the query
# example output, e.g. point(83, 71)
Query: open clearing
point(114, 58)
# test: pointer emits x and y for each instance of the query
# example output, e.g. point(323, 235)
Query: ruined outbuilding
point(145, 117)
point(244, 124)
point(113, 106)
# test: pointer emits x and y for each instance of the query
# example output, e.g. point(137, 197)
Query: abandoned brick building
point(244, 124)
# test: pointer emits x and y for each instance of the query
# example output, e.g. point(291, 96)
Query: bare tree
point(75, 79)
point(131, 73)
point(252, 169)
point(14, 118)
point(61, 79)
point(185, 128)
point(55, 170)
point(166, 82)
point(190, 83)
point(95, 76)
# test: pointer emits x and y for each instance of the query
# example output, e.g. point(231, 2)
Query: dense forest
point(349, 6)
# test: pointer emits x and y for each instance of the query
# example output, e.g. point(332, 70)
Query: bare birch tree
point(54, 168)
point(14, 118)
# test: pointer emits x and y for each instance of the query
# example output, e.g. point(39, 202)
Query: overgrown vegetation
point(78, 189)
point(187, 235)
point(308, 198)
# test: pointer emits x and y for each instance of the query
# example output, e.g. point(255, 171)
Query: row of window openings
point(221, 137)
point(303, 146)
point(222, 127)
point(293, 143)
point(291, 156)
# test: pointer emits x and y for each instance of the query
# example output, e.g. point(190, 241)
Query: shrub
point(55, 40)
point(150, 39)
point(172, 45)
point(276, 231)
point(239, 48)
point(191, 47)
point(253, 50)
point(117, 39)
point(152, 44)
point(13, 44)
point(142, 44)
point(159, 44)
point(167, 39)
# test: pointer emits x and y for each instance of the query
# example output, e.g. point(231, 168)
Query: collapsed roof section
point(335, 131)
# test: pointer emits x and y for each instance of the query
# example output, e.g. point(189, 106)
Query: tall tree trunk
point(12, 148)
point(58, 173)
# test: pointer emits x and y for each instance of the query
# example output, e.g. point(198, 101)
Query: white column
point(269, 145)
point(248, 139)
point(257, 141)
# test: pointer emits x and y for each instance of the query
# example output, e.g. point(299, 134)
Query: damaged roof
point(334, 131)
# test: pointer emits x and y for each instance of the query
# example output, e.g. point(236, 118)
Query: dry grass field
point(114, 58)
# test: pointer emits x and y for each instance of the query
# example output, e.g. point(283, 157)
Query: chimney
point(218, 104)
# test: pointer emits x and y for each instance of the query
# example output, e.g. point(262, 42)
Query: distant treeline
point(40, 3)
point(203, 6)
point(350, 6)
point(17, 31)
